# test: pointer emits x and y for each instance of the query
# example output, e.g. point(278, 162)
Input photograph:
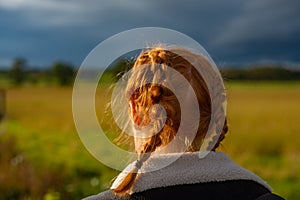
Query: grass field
point(264, 137)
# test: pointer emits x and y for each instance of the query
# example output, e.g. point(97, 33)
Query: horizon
point(220, 66)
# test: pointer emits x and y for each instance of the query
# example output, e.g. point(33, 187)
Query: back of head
point(143, 94)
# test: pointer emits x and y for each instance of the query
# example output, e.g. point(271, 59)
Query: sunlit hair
point(146, 95)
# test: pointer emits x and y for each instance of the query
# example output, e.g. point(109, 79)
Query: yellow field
point(263, 118)
point(264, 132)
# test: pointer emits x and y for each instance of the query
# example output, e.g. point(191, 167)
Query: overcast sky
point(232, 31)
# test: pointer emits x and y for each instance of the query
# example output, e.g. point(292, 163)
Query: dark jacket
point(214, 177)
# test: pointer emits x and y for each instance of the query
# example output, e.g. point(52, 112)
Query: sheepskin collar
point(188, 169)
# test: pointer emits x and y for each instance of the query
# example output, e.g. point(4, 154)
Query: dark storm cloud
point(232, 31)
point(265, 30)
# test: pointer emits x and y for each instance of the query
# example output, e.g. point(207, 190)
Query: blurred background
point(255, 44)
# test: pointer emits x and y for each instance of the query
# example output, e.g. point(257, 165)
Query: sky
point(234, 32)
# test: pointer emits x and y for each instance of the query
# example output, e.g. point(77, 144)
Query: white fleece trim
point(188, 169)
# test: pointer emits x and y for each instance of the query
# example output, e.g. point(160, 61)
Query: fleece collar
point(188, 169)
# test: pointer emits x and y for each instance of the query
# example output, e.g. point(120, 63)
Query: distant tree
point(17, 71)
point(64, 73)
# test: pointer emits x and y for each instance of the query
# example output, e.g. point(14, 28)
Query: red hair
point(147, 95)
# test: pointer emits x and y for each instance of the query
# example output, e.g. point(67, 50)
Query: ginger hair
point(147, 95)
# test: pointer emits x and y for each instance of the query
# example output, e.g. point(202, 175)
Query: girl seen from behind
point(184, 174)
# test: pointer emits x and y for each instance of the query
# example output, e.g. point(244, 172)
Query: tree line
point(63, 73)
point(263, 72)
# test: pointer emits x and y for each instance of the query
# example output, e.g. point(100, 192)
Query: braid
point(218, 131)
point(206, 93)
point(219, 114)
point(153, 95)
point(222, 135)
point(128, 181)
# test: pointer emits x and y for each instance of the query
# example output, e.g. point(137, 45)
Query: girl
point(214, 176)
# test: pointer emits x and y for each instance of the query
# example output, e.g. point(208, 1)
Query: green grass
point(40, 118)
point(264, 135)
